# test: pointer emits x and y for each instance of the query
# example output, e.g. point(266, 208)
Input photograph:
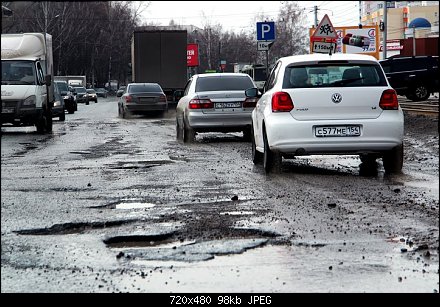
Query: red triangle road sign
point(325, 30)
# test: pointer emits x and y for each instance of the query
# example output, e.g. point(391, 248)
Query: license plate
point(7, 110)
point(325, 131)
point(223, 105)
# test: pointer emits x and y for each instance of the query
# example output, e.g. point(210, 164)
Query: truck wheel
point(41, 124)
point(419, 93)
point(63, 116)
point(393, 160)
point(49, 121)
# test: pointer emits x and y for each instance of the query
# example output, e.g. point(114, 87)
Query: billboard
point(355, 40)
point(192, 55)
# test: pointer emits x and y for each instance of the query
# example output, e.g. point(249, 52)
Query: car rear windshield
point(223, 83)
point(91, 91)
point(80, 90)
point(333, 75)
point(144, 88)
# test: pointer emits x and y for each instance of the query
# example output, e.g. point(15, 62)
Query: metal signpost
point(265, 38)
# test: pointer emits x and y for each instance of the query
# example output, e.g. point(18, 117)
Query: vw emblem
point(336, 98)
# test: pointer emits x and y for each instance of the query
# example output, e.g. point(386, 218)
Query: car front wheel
point(419, 93)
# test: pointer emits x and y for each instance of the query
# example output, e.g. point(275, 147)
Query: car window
point(271, 80)
point(141, 88)
point(80, 90)
point(62, 86)
point(223, 83)
point(337, 75)
point(91, 91)
point(187, 86)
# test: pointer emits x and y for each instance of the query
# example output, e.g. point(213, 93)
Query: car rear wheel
point(419, 93)
point(257, 157)
point(271, 160)
point(188, 134)
point(179, 131)
point(393, 160)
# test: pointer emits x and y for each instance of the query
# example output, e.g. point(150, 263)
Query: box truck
point(159, 56)
point(27, 91)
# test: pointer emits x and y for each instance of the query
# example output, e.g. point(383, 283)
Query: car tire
point(247, 134)
point(257, 157)
point(271, 160)
point(49, 121)
point(71, 110)
point(41, 124)
point(419, 93)
point(179, 131)
point(188, 133)
point(87, 102)
point(393, 160)
point(368, 158)
point(62, 116)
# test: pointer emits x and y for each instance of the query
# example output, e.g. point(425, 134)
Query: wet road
point(105, 204)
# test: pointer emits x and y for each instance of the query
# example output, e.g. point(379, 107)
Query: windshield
point(80, 90)
point(62, 86)
point(18, 73)
point(223, 83)
point(91, 91)
point(335, 75)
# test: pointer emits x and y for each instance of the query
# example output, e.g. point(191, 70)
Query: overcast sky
point(238, 15)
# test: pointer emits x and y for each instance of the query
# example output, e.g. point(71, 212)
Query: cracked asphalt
point(105, 204)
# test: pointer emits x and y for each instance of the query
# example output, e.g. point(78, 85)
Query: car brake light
point(281, 102)
point(163, 98)
point(128, 98)
point(388, 100)
point(201, 104)
point(250, 102)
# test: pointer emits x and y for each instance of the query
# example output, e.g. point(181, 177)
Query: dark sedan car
point(101, 92)
point(142, 98)
point(69, 99)
point(81, 94)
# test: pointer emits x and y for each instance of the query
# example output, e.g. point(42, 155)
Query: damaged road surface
point(105, 204)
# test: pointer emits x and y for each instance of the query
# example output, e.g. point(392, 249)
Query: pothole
point(138, 164)
point(72, 228)
point(237, 213)
point(139, 240)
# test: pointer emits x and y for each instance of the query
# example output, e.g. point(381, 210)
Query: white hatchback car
point(340, 104)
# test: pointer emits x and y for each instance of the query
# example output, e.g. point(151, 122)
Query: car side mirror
point(252, 93)
point(118, 94)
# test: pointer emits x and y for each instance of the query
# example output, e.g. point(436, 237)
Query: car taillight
point(281, 102)
point(163, 98)
point(388, 100)
point(250, 102)
point(128, 98)
point(201, 104)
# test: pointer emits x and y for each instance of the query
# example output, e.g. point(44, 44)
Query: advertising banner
point(355, 40)
point(192, 55)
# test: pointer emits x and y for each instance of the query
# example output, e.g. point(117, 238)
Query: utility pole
point(360, 12)
point(385, 30)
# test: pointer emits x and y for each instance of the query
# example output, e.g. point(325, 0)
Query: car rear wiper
point(345, 81)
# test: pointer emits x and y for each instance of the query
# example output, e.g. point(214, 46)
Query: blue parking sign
point(266, 31)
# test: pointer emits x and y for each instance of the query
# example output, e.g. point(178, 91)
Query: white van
point(27, 93)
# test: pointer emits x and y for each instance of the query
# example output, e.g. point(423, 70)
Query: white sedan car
point(340, 104)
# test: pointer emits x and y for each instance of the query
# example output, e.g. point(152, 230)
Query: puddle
point(134, 205)
point(140, 240)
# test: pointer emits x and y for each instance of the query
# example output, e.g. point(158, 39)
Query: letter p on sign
point(266, 31)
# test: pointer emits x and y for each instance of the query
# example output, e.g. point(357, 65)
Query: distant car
point(92, 95)
point(320, 104)
point(80, 93)
point(142, 98)
point(101, 92)
point(215, 102)
point(121, 90)
point(58, 109)
point(69, 99)
point(415, 77)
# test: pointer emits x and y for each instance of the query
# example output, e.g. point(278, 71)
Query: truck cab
point(27, 91)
